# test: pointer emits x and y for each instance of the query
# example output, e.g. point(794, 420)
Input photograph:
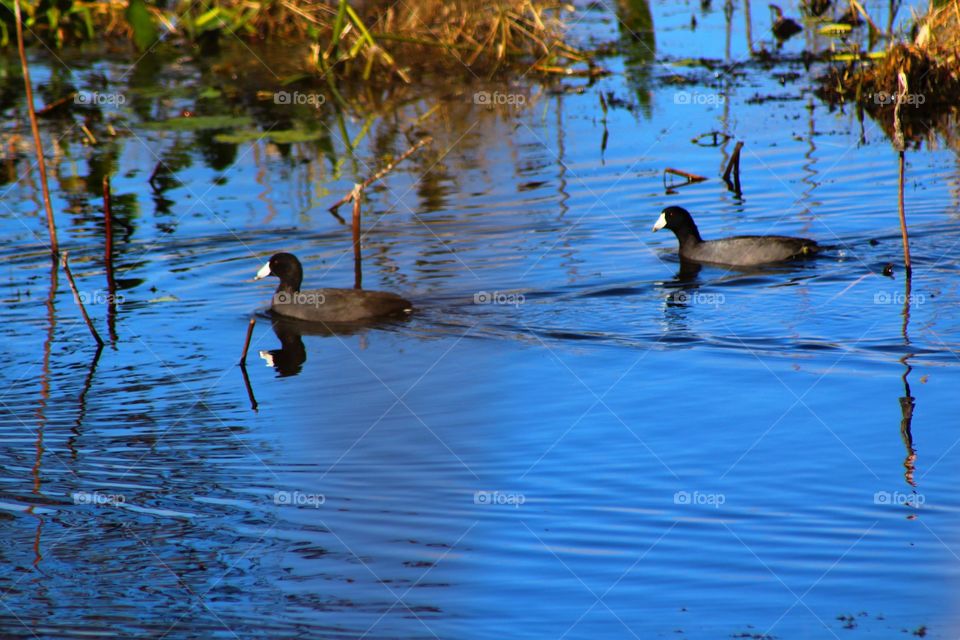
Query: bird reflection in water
point(289, 358)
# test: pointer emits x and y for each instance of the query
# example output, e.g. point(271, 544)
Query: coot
point(326, 305)
point(783, 28)
point(739, 251)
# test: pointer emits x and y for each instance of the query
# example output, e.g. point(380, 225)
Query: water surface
point(570, 438)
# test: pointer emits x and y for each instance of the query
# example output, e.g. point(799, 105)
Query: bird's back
point(339, 305)
point(749, 250)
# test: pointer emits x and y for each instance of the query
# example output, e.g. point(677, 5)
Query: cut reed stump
point(357, 265)
point(733, 166)
point(246, 344)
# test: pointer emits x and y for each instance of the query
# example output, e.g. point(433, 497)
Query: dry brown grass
point(364, 38)
point(482, 36)
point(931, 65)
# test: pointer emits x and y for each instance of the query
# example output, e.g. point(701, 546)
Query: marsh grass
point(930, 62)
point(348, 38)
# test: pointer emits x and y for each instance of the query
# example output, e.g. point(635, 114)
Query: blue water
point(608, 449)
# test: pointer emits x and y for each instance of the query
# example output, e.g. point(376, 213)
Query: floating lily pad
point(200, 123)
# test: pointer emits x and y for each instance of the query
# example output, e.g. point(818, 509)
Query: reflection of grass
point(929, 64)
point(284, 136)
point(200, 123)
point(348, 37)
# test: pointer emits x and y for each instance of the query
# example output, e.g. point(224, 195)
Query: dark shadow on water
point(689, 274)
point(702, 285)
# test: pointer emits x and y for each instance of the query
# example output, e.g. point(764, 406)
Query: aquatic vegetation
point(920, 75)
point(362, 39)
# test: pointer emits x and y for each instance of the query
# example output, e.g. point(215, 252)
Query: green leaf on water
point(140, 20)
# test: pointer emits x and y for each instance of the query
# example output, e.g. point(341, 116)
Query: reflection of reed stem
point(746, 13)
point(82, 405)
point(41, 163)
point(41, 412)
point(246, 383)
point(243, 364)
point(108, 260)
point(907, 405)
point(907, 299)
point(108, 231)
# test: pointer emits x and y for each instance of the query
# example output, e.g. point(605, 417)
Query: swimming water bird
point(783, 28)
point(739, 251)
point(326, 305)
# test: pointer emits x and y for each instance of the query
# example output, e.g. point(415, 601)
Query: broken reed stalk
point(734, 166)
point(357, 266)
point(691, 177)
point(590, 72)
point(246, 343)
point(76, 297)
point(56, 104)
point(41, 164)
point(379, 174)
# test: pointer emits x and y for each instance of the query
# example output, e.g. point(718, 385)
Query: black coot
point(326, 305)
point(783, 28)
point(739, 251)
